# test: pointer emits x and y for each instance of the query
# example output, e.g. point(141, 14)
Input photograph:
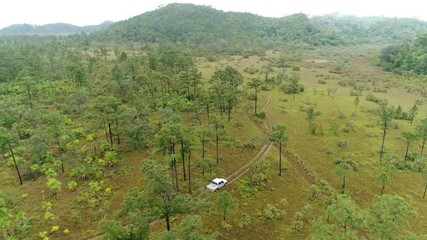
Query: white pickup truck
point(216, 184)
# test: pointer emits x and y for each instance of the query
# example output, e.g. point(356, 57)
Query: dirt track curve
point(264, 150)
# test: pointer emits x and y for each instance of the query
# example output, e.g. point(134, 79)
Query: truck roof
point(217, 180)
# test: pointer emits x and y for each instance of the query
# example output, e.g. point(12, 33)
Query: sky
point(92, 12)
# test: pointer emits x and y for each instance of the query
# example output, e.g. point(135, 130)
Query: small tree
point(386, 115)
point(5, 216)
point(341, 170)
point(413, 113)
point(409, 138)
point(422, 133)
point(255, 84)
point(6, 142)
point(356, 103)
point(225, 203)
point(54, 185)
point(312, 114)
point(278, 136)
point(424, 176)
point(156, 200)
point(346, 217)
point(292, 85)
point(385, 176)
point(218, 130)
point(387, 214)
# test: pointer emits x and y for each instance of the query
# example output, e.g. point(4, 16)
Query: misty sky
point(90, 12)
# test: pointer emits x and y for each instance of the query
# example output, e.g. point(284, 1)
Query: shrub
point(273, 213)
point(355, 93)
point(260, 115)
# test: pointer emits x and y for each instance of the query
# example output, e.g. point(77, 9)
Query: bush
point(373, 98)
point(273, 213)
point(355, 93)
point(260, 115)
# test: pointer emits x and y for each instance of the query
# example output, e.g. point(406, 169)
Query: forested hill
point(203, 26)
point(371, 29)
point(51, 29)
point(406, 56)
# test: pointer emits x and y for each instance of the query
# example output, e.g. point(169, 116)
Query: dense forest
point(406, 56)
point(115, 134)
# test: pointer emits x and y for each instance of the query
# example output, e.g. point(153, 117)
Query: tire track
point(297, 165)
point(261, 153)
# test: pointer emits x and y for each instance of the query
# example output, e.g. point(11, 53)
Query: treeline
point(51, 29)
point(376, 30)
point(407, 56)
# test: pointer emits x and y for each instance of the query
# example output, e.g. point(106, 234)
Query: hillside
point(378, 30)
point(406, 56)
point(203, 27)
point(50, 29)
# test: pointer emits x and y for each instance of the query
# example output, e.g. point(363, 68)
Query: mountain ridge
point(59, 28)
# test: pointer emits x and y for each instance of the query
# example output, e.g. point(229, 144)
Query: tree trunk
point(118, 132)
point(183, 160)
point(203, 145)
point(176, 174)
point(422, 147)
point(16, 165)
point(216, 141)
point(256, 100)
point(168, 225)
point(207, 110)
point(189, 171)
point(406, 152)
point(382, 143)
point(110, 133)
point(173, 176)
point(280, 158)
point(343, 185)
point(425, 189)
point(105, 130)
point(61, 152)
point(382, 190)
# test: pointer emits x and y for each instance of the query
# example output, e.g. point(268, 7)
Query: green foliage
point(197, 27)
point(292, 85)
point(272, 212)
point(345, 217)
point(225, 204)
point(54, 185)
point(408, 56)
point(157, 199)
point(110, 158)
point(189, 229)
point(312, 114)
point(388, 213)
